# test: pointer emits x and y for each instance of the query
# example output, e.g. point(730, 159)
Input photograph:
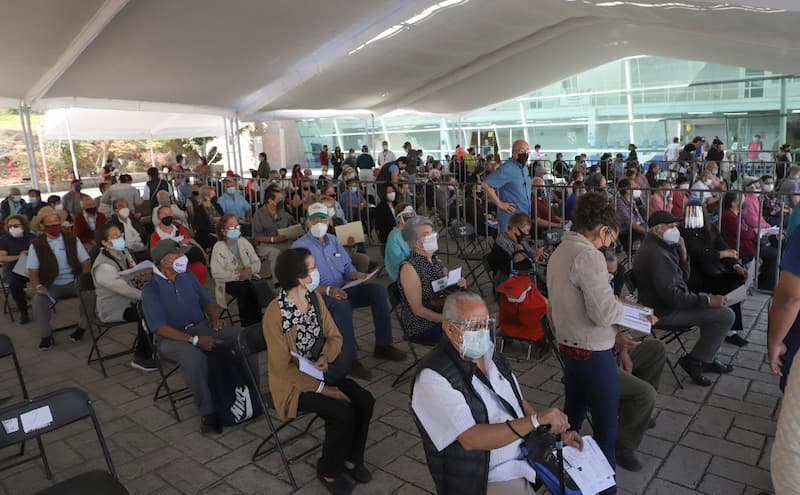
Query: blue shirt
point(569, 205)
point(237, 205)
point(350, 202)
point(178, 304)
point(65, 275)
point(333, 262)
point(513, 185)
point(794, 221)
point(397, 250)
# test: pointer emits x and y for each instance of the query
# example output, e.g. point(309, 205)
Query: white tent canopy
point(246, 57)
point(82, 123)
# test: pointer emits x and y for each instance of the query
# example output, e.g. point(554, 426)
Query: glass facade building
point(643, 100)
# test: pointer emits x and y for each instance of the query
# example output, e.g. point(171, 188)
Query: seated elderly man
point(131, 229)
point(470, 411)
point(55, 259)
point(178, 310)
point(179, 216)
point(266, 223)
point(335, 269)
point(87, 222)
point(661, 269)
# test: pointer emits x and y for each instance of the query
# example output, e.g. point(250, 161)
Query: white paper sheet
point(36, 419)
point(769, 231)
point(452, 278)
point(292, 232)
point(21, 268)
point(739, 294)
point(636, 318)
point(307, 367)
point(11, 425)
point(351, 229)
point(144, 265)
point(589, 468)
point(353, 283)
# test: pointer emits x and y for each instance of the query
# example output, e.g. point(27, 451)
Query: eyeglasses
point(475, 324)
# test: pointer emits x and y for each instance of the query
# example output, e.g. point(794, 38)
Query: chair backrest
point(85, 282)
point(462, 232)
point(393, 290)
point(88, 296)
point(630, 281)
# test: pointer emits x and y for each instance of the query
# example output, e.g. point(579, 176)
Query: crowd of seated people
point(229, 231)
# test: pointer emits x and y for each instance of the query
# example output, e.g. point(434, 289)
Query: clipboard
point(21, 268)
point(292, 232)
point(352, 229)
point(636, 318)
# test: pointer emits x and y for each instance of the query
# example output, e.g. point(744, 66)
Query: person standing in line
point(509, 187)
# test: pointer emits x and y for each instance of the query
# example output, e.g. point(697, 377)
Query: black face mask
point(195, 193)
point(167, 220)
point(91, 211)
point(522, 158)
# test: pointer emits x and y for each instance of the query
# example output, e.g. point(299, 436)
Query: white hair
point(450, 312)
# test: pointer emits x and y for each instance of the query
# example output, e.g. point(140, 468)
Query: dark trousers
point(593, 384)
point(367, 294)
point(144, 347)
point(431, 336)
point(346, 425)
point(637, 392)
point(16, 286)
point(768, 271)
point(247, 300)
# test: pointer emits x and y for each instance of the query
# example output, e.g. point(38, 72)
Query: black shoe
point(339, 485)
point(717, 366)
point(694, 369)
point(736, 340)
point(210, 424)
point(144, 363)
point(389, 352)
point(651, 424)
point(626, 459)
point(77, 335)
point(23, 317)
point(359, 473)
point(357, 370)
point(46, 343)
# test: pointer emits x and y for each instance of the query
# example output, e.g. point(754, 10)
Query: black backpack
point(234, 394)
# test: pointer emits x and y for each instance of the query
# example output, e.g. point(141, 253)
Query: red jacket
point(81, 228)
point(747, 240)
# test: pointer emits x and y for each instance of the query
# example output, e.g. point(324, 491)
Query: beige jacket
point(224, 267)
point(582, 303)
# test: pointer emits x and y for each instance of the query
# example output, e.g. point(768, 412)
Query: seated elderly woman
point(747, 241)
point(715, 267)
point(420, 304)
point(234, 265)
point(510, 241)
point(297, 322)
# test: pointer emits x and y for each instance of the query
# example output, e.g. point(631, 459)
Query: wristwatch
point(535, 422)
point(194, 340)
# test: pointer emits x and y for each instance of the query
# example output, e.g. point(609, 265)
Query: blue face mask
point(233, 234)
point(475, 343)
point(314, 280)
point(118, 244)
point(77, 188)
point(231, 190)
point(715, 171)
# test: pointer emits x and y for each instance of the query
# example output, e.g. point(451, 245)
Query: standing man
point(73, 200)
point(672, 152)
point(263, 166)
point(509, 187)
point(365, 164)
point(386, 155)
point(324, 157)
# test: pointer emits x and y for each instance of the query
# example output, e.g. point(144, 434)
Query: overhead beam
point(101, 18)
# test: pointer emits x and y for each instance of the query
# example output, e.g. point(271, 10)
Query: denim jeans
point(362, 295)
point(593, 385)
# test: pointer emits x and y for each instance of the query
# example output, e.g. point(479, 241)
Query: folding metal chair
point(9, 308)
point(470, 250)
point(251, 343)
point(227, 313)
point(97, 328)
point(669, 333)
point(394, 301)
point(174, 396)
point(49, 412)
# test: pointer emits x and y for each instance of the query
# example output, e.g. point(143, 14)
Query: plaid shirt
point(628, 213)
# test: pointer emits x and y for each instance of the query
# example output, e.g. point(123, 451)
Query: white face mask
point(671, 236)
point(637, 193)
point(769, 187)
point(59, 207)
point(180, 264)
point(124, 212)
point(319, 230)
point(390, 196)
point(430, 242)
point(16, 232)
point(683, 187)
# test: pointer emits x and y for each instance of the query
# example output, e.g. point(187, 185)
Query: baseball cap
point(317, 210)
point(165, 247)
point(661, 217)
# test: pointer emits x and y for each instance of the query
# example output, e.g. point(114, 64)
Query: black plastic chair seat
point(98, 482)
point(674, 328)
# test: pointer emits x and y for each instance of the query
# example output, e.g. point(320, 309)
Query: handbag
point(338, 369)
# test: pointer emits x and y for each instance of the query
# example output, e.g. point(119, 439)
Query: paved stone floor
point(713, 440)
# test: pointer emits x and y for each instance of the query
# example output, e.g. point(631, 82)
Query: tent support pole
point(239, 145)
point(44, 161)
point(227, 138)
point(25, 122)
point(152, 153)
point(71, 149)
